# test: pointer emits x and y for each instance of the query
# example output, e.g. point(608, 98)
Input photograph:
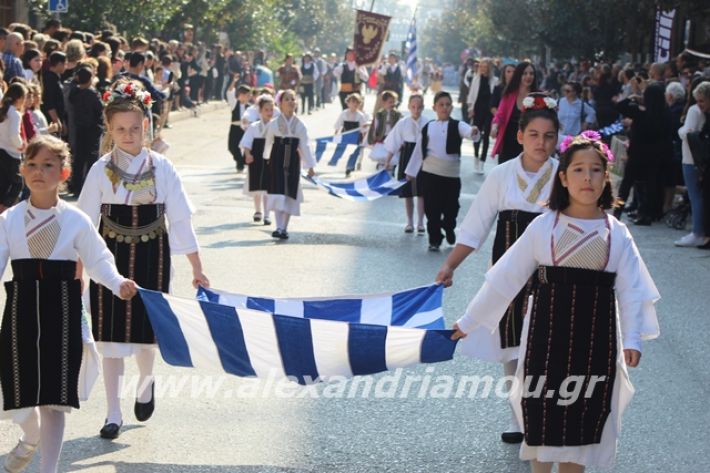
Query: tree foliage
point(526, 27)
point(280, 26)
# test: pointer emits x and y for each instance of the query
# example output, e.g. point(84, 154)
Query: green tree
point(129, 16)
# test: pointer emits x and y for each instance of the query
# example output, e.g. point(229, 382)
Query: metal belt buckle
point(542, 274)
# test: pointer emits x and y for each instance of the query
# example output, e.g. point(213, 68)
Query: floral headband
point(585, 137)
point(128, 91)
point(539, 102)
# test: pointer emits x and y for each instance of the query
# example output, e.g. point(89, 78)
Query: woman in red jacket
point(505, 122)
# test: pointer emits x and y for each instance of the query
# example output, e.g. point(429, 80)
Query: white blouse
point(293, 127)
point(503, 190)
point(407, 129)
point(255, 130)
point(76, 238)
point(694, 121)
point(437, 133)
point(636, 293)
point(99, 190)
point(10, 133)
point(348, 116)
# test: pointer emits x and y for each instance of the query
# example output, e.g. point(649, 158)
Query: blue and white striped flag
point(250, 343)
point(418, 308)
point(332, 148)
point(411, 50)
point(366, 189)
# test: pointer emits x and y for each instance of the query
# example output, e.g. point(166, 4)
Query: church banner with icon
point(370, 36)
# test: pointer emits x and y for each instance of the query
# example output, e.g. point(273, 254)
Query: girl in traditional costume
point(400, 143)
point(352, 118)
point(48, 361)
point(253, 144)
point(137, 200)
point(514, 193)
point(287, 151)
point(572, 385)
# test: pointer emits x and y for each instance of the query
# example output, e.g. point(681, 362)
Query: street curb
point(176, 116)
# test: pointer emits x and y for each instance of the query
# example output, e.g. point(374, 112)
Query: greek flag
point(332, 148)
point(418, 308)
point(366, 189)
point(251, 343)
point(411, 50)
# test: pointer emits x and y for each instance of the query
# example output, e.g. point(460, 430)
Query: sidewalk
point(211, 106)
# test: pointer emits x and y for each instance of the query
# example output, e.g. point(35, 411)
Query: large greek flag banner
point(244, 342)
point(369, 188)
point(418, 308)
point(330, 149)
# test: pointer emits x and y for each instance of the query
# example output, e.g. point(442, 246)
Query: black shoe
point(643, 222)
point(632, 214)
point(144, 410)
point(276, 233)
point(434, 247)
point(267, 221)
point(283, 235)
point(512, 437)
point(704, 246)
point(110, 431)
point(450, 237)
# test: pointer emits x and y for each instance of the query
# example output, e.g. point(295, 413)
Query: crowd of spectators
point(654, 106)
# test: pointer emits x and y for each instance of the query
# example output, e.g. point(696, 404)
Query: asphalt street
point(339, 247)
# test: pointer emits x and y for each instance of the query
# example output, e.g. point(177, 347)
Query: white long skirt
point(484, 345)
point(282, 203)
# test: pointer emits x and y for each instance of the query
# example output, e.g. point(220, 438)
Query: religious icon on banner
point(370, 36)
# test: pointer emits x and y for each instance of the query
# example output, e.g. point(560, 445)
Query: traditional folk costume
point(348, 121)
point(309, 76)
point(437, 157)
point(47, 355)
point(254, 140)
point(400, 142)
point(287, 150)
point(253, 115)
point(584, 270)
point(144, 215)
point(382, 125)
point(289, 77)
point(237, 127)
point(351, 79)
point(393, 78)
point(515, 197)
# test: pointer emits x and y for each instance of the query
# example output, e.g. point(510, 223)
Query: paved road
point(339, 247)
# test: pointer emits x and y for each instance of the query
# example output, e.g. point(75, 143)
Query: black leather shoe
point(143, 410)
point(450, 237)
point(110, 431)
point(512, 437)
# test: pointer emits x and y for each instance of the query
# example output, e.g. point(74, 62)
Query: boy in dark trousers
point(238, 99)
point(437, 156)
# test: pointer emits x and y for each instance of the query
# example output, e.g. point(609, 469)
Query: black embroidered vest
point(453, 138)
